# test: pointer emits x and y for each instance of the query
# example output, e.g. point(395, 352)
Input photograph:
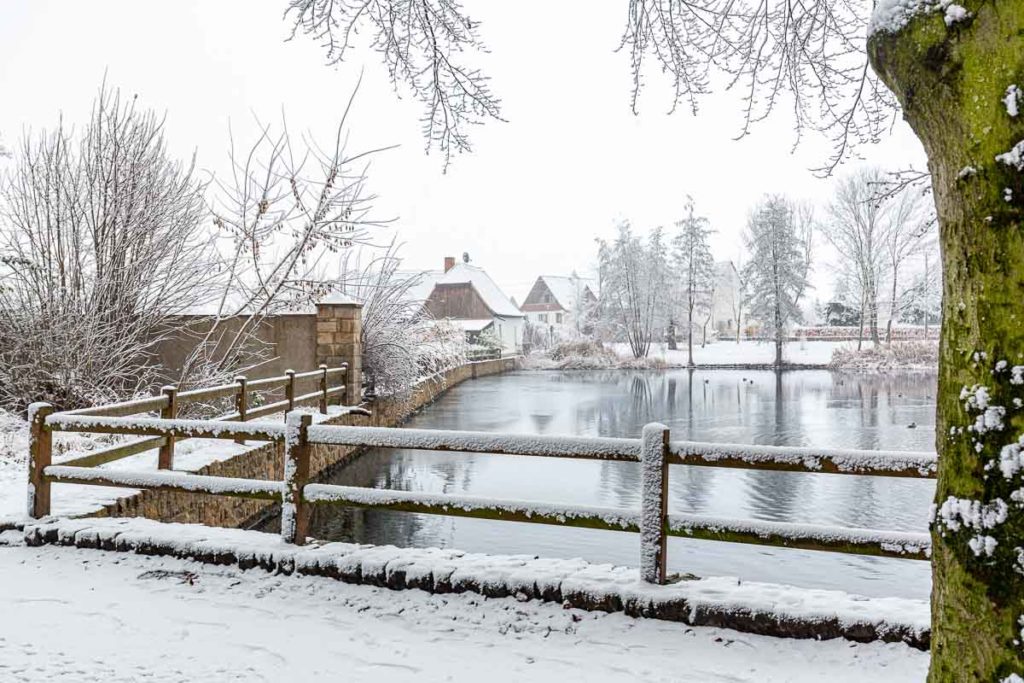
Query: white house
point(561, 304)
point(467, 296)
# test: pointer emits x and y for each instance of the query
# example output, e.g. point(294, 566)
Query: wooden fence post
point(241, 402)
point(323, 389)
point(653, 503)
point(294, 509)
point(165, 460)
point(289, 392)
point(40, 455)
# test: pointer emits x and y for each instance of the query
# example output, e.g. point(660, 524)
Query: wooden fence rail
point(116, 418)
point(655, 452)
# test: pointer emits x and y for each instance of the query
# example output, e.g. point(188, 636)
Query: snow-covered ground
point(745, 353)
point(79, 615)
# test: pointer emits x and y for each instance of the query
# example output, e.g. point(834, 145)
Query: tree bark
point(951, 81)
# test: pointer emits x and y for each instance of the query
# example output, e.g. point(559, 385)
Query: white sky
point(570, 161)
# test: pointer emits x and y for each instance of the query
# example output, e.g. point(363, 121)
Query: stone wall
point(267, 461)
point(288, 339)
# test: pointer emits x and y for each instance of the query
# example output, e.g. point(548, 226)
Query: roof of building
point(424, 284)
point(568, 289)
point(493, 297)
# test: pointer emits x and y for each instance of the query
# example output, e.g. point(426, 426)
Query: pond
point(794, 408)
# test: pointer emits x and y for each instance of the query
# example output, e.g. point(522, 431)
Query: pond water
point(795, 408)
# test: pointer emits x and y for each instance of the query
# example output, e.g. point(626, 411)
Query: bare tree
point(101, 244)
point(693, 268)
point(287, 210)
point(910, 223)
point(858, 228)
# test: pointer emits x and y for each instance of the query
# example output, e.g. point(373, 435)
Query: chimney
point(449, 263)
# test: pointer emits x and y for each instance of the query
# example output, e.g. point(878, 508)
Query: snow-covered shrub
point(401, 342)
point(583, 354)
point(910, 355)
point(101, 243)
point(484, 346)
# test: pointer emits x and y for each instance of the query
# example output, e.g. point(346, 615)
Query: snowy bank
point(913, 356)
point(74, 615)
point(730, 354)
point(721, 601)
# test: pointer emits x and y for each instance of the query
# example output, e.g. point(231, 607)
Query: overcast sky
point(570, 161)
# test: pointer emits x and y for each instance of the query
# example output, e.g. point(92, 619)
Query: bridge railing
point(655, 452)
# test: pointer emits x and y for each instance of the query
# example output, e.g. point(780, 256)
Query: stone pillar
point(339, 324)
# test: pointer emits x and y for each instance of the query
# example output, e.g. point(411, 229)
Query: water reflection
point(801, 408)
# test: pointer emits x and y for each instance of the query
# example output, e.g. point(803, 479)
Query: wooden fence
point(168, 403)
point(654, 451)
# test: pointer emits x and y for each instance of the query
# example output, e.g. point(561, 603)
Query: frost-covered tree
point(957, 71)
point(634, 278)
point(910, 230)
point(739, 297)
point(101, 244)
point(922, 302)
point(858, 228)
point(693, 269)
point(777, 270)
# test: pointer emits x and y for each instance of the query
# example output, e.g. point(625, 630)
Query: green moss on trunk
point(951, 81)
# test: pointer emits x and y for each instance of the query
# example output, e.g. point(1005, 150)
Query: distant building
point(466, 296)
point(726, 300)
point(561, 303)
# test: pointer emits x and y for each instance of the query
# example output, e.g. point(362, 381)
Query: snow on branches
point(778, 239)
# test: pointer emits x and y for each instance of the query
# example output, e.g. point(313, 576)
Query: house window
point(558, 318)
point(543, 317)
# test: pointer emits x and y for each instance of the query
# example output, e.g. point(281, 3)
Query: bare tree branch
point(423, 44)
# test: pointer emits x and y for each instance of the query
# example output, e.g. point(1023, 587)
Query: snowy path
point(80, 615)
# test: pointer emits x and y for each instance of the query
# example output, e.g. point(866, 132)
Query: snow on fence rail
point(654, 451)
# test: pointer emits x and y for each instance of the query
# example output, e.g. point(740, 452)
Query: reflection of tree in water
point(689, 487)
point(773, 495)
point(620, 483)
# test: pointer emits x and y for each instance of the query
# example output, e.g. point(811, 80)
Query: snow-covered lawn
point(745, 353)
point(81, 615)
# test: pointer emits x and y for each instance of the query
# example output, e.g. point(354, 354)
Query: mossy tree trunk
point(951, 82)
